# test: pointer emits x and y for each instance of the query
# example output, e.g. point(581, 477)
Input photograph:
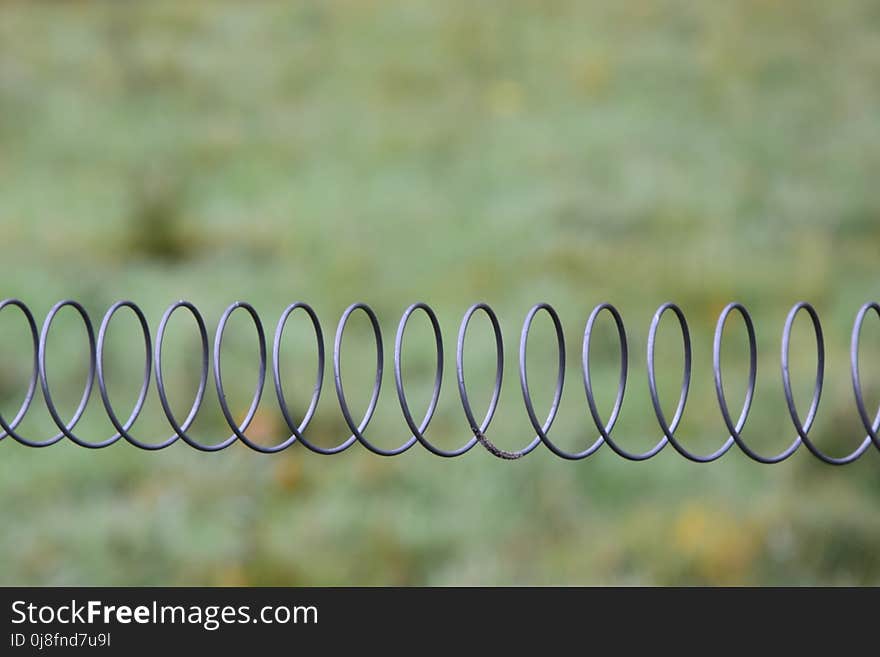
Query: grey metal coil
point(153, 354)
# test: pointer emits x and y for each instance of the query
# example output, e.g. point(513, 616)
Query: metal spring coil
point(478, 428)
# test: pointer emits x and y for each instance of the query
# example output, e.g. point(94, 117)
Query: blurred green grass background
point(571, 152)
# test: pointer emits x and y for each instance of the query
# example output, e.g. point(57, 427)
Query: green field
point(333, 152)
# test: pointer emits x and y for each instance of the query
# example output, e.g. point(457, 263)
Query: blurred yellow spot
point(232, 575)
point(691, 528)
point(714, 308)
point(288, 473)
point(264, 428)
point(505, 97)
point(719, 547)
point(592, 74)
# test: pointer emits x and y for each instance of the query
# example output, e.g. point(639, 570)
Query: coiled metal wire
point(417, 429)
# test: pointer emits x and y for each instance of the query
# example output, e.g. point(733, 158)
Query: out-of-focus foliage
point(565, 151)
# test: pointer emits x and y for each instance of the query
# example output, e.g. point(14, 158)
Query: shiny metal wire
point(417, 430)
